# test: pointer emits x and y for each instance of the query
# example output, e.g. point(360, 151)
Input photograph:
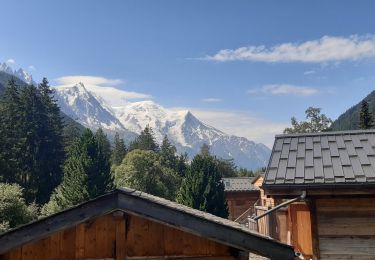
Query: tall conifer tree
point(103, 142)
point(366, 120)
point(31, 129)
point(86, 175)
point(10, 134)
point(168, 155)
point(202, 187)
point(145, 141)
point(119, 150)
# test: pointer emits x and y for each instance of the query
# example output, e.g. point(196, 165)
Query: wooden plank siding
point(346, 228)
point(263, 199)
point(301, 229)
point(114, 237)
point(240, 201)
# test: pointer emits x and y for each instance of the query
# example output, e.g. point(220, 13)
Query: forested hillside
point(350, 119)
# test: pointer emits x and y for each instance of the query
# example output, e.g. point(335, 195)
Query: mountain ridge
point(183, 129)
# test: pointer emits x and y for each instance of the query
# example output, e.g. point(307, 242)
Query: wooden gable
point(118, 235)
point(148, 227)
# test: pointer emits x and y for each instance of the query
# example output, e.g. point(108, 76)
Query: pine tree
point(42, 142)
point(86, 175)
point(103, 142)
point(182, 165)
point(227, 168)
point(52, 144)
point(10, 134)
point(35, 145)
point(168, 155)
point(31, 152)
point(119, 151)
point(70, 134)
point(145, 141)
point(202, 188)
point(366, 120)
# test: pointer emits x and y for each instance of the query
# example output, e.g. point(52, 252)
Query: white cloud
point(104, 88)
point(242, 124)
point(10, 61)
point(32, 67)
point(309, 72)
point(89, 80)
point(325, 49)
point(285, 89)
point(212, 100)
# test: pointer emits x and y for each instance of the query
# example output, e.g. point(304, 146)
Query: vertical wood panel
point(173, 241)
point(101, 250)
point(90, 239)
point(67, 244)
point(301, 228)
point(15, 254)
point(121, 245)
point(80, 242)
point(54, 246)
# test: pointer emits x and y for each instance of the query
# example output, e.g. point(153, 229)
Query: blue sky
point(245, 67)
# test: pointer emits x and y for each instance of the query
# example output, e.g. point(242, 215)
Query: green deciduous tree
point(142, 170)
point(366, 119)
point(13, 208)
point(202, 187)
point(316, 122)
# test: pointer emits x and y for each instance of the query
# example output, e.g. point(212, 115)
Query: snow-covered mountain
point(89, 110)
point(20, 73)
point(188, 133)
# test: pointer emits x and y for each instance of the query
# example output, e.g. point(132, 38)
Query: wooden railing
point(263, 225)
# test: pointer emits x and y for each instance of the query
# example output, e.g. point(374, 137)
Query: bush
point(13, 208)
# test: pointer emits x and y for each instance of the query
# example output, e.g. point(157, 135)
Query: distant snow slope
point(92, 108)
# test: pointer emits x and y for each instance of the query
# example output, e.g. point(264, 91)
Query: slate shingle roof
point(322, 158)
point(239, 184)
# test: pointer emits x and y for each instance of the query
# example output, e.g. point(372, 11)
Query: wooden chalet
point(128, 224)
point(264, 200)
point(336, 172)
point(241, 195)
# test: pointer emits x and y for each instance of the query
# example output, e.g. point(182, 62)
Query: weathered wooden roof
point(156, 209)
point(239, 184)
point(322, 159)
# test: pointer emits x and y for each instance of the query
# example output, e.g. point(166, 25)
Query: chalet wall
point(130, 237)
point(264, 200)
point(240, 201)
point(346, 228)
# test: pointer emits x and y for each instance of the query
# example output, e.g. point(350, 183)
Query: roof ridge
point(327, 133)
